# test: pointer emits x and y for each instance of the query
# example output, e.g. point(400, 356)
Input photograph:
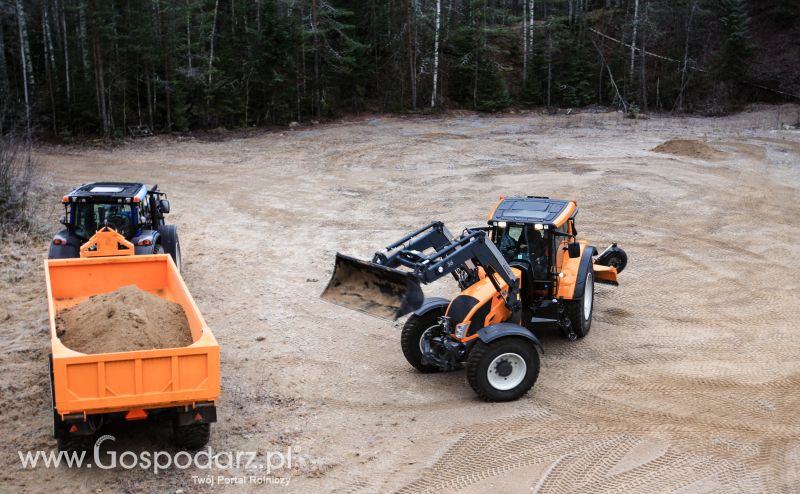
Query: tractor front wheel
point(415, 329)
point(503, 370)
point(580, 312)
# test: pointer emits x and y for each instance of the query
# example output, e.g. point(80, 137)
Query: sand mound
point(124, 320)
point(690, 148)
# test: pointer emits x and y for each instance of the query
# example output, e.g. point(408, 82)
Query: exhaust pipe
point(373, 289)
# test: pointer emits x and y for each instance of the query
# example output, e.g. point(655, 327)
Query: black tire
point(192, 437)
point(170, 243)
point(618, 259)
point(580, 324)
point(410, 337)
point(483, 355)
point(72, 443)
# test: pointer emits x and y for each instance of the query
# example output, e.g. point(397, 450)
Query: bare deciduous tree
point(27, 66)
point(437, 28)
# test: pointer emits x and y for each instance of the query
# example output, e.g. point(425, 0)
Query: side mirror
point(574, 250)
point(163, 205)
point(63, 220)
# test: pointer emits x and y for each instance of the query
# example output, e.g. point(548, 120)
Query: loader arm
point(381, 289)
point(408, 252)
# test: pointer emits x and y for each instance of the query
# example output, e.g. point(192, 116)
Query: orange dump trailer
point(89, 390)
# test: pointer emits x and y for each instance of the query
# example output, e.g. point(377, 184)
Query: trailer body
point(132, 384)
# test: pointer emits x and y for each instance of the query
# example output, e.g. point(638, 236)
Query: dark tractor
point(133, 210)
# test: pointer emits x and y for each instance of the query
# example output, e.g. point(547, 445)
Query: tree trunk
point(49, 63)
point(4, 88)
point(436, 52)
point(571, 12)
point(150, 97)
point(412, 50)
point(67, 81)
point(531, 26)
point(643, 76)
point(165, 53)
point(189, 34)
point(27, 68)
point(633, 38)
point(211, 41)
point(524, 43)
point(82, 36)
point(685, 65)
point(100, 82)
point(317, 103)
point(549, 63)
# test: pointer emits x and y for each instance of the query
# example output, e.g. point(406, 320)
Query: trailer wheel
point(503, 370)
point(411, 338)
point(72, 443)
point(580, 312)
point(170, 243)
point(192, 437)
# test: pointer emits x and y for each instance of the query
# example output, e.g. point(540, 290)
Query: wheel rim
point(425, 335)
point(178, 255)
point(506, 371)
point(588, 297)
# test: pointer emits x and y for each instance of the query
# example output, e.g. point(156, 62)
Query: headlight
point(461, 329)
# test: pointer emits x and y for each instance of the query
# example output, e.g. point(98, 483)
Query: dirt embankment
point(125, 320)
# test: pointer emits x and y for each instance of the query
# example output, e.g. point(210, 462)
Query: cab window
point(91, 217)
point(512, 242)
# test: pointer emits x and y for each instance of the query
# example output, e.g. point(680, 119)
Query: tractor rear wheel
point(415, 328)
point(192, 437)
point(170, 243)
point(503, 370)
point(580, 312)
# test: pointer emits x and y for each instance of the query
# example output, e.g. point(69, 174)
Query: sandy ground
point(689, 380)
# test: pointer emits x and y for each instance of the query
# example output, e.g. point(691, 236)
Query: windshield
point(91, 217)
point(523, 243)
point(512, 242)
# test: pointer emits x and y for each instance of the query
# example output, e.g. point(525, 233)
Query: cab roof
point(533, 209)
point(109, 190)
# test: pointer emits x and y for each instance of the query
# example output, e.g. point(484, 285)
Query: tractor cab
point(532, 233)
point(121, 206)
point(130, 209)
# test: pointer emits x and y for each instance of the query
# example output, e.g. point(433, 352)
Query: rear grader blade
point(373, 289)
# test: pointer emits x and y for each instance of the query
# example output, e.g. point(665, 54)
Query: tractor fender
point(430, 304)
point(69, 248)
point(583, 269)
point(151, 235)
point(503, 329)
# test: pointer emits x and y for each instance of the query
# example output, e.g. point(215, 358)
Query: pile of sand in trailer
point(690, 148)
point(125, 320)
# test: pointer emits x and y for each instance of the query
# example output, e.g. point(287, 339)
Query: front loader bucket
point(371, 288)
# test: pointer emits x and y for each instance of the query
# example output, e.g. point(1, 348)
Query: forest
point(112, 68)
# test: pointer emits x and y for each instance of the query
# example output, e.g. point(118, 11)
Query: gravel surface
point(688, 380)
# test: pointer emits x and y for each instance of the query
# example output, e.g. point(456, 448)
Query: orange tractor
point(523, 272)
